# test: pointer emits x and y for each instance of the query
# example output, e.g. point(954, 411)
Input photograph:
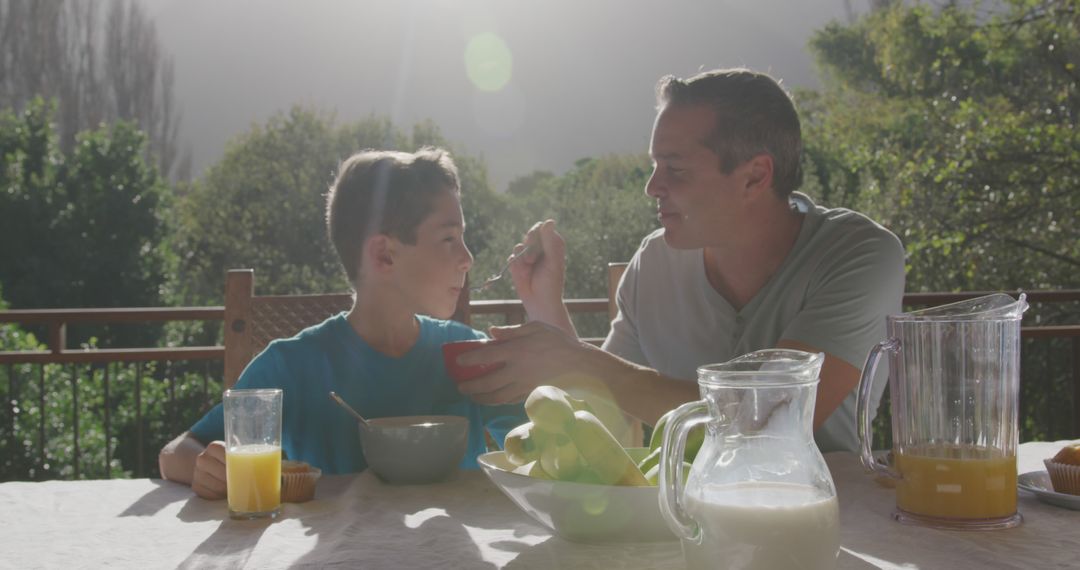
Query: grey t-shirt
point(843, 275)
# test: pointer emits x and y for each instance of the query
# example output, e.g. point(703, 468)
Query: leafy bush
point(47, 405)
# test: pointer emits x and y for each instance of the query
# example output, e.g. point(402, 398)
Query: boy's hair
point(754, 115)
point(384, 192)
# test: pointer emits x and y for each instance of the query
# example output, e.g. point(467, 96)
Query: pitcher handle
point(862, 410)
point(672, 450)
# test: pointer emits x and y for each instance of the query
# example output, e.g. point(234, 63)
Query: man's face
point(696, 203)
point(431, 273)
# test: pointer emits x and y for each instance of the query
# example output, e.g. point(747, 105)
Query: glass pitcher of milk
point(758, 494)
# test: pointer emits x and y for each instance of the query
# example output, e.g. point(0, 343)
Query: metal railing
point(510, 311)
point(56, 322)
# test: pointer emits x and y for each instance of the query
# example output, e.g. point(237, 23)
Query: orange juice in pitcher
point(954, 384)
point(956, 483)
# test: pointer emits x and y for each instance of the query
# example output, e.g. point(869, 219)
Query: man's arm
point(546, 351)
point(186, 460)
point(537, 353)
point(837, 380)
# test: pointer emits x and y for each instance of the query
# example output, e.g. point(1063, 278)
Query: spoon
point(497, 276)
point(348, 408)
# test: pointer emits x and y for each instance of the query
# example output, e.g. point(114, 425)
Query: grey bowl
point(409, 450)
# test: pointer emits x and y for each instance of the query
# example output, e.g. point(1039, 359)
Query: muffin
point(1064, 469)
point(298, 481)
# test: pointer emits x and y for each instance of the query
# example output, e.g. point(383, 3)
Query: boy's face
point(431, 273)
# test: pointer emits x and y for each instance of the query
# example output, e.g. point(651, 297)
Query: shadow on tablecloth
point(162, 495)
point(231, 544)
point(363, 523)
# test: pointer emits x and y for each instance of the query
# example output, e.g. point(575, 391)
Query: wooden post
point(515, 315)
point(1076, 385)
point(57, 337)
point(462, 312)
point(614, 275)
point(239, 288)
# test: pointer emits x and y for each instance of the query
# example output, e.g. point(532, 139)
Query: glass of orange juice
point(253, 452)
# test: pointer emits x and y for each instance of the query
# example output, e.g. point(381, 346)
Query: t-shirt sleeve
point(859, 284)
point(622, 339)
point(264, 371)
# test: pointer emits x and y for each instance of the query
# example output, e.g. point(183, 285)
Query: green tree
point(15, 459)
point(262, 206)
point(101, 65)
point(602, 212)
point(83, 228)
point(956, 130)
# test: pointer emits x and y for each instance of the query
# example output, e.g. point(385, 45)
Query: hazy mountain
point(581, 72)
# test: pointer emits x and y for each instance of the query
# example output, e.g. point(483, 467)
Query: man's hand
point(534, 354)
point(537, 354)
point(539, 275)
point(209, 479)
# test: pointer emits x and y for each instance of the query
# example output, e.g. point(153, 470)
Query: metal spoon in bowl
point(348, 408)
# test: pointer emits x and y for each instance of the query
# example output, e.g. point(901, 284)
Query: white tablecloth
point(357, 522)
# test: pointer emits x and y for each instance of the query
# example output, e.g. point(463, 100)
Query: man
point(742, 263)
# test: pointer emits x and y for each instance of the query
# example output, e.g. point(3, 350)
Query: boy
point(396, 224)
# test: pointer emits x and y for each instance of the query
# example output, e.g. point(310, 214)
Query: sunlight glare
point(488, 62)
point(415, 520)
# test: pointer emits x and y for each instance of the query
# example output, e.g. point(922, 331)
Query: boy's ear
point(379, 253)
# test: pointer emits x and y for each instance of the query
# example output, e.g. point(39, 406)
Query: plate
point(1038, 482)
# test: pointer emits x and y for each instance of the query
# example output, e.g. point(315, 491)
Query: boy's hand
point(209, 479)
point(538, 276)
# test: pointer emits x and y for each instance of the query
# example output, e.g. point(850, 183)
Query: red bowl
point(459, 372)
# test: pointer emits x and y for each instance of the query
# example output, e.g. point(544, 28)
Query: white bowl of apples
point(567, 472)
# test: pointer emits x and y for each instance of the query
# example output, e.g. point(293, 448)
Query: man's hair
point(384, 192)
point(754, 115)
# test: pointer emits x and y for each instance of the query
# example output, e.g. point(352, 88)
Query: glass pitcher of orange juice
point(954, 383)
point(758, 494)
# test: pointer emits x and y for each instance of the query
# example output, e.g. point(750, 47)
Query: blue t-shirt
point(329, 357)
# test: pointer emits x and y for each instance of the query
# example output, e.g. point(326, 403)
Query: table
point(358, 522)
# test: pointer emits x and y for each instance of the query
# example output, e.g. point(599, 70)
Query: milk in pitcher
point(763, 525)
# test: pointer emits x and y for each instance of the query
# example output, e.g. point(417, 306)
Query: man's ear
point(379, 251)
point(759, 173)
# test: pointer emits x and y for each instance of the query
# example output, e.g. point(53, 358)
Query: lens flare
point(488, 62)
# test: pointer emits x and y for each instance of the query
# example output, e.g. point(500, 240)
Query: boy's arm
point(186, 460)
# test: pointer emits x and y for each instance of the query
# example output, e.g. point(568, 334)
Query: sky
point(528, 85)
